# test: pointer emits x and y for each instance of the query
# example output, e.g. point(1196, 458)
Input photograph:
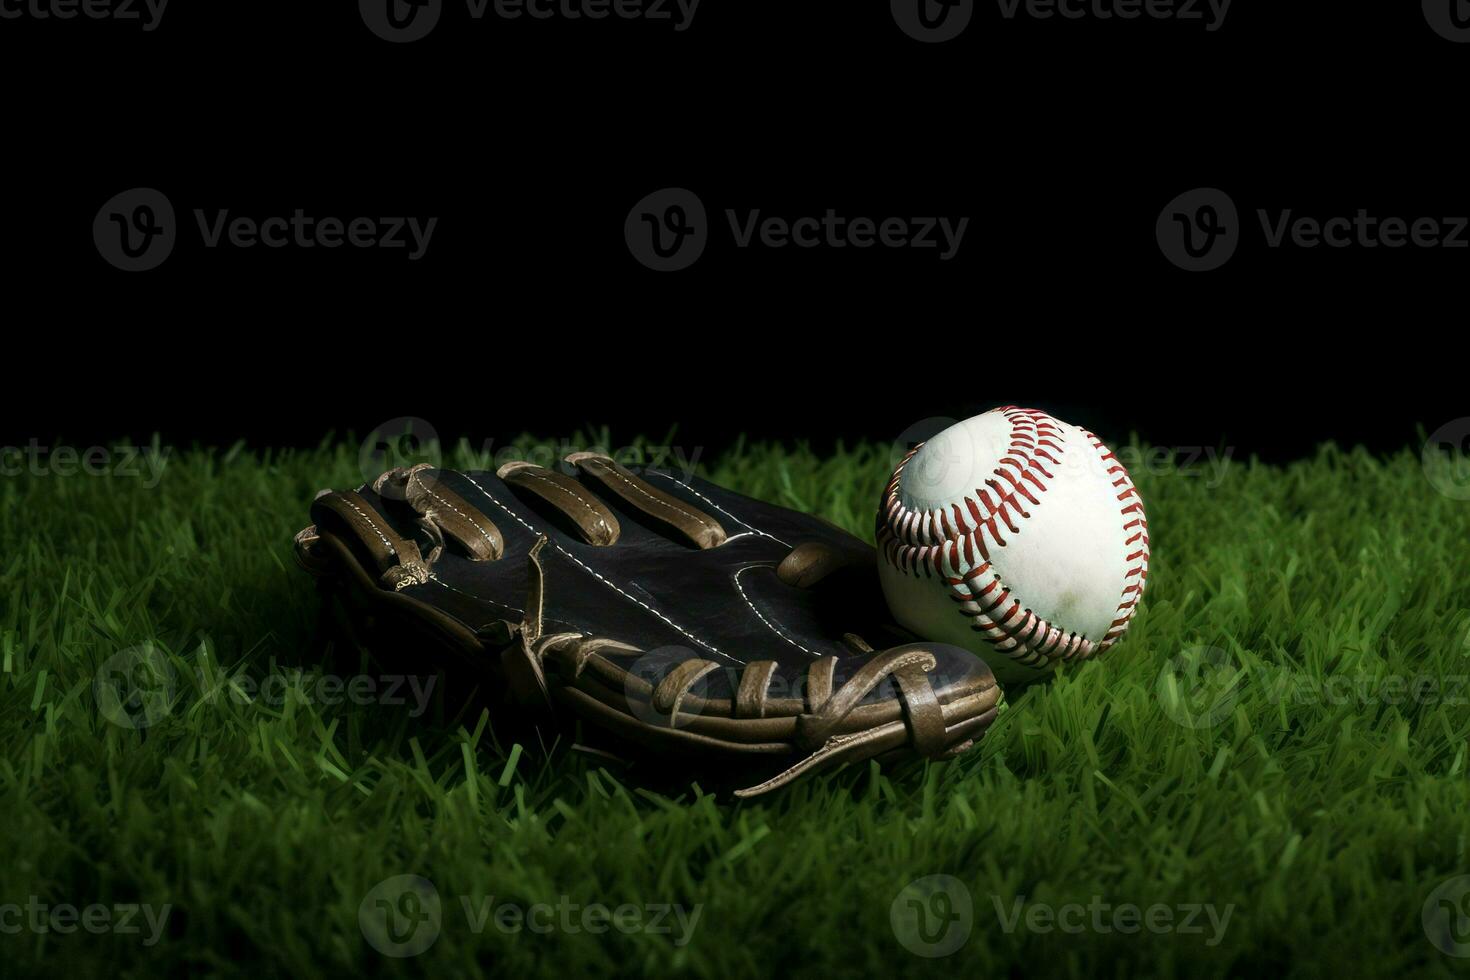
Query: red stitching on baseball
point(1132, 590)
point(907, 540)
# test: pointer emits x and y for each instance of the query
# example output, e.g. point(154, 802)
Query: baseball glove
point(665, 611)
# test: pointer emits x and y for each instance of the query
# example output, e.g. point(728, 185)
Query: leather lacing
point(441, 513)
point(524, 665)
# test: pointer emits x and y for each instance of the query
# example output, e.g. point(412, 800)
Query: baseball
point(1017, 536)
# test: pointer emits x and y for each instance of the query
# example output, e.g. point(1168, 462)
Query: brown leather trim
point(696, 713)
point(810, 562)
point(309, 553)
point(535, 590)
point(602, 675)
point(672, 690)
point(973, 726)
point(870, 743)
point(842, 749)
point(680, 515)
point(459, 519)
point(615, 688)
point(594, 522)
point(830, 716)
point(376, 536)
point(819, 683)
point(926, 718)
point(755, 684)
point(398, 559)
point(886, 737)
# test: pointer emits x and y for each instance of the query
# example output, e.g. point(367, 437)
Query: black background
point(1060, 140)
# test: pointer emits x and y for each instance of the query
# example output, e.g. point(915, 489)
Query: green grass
point(1302, 784)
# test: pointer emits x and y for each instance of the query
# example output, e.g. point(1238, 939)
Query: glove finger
point(588, 516)
point(687, 521)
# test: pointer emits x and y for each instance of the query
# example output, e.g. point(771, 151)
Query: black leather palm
point(653, 590)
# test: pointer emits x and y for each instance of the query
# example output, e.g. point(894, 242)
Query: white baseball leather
point(1017, 536)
